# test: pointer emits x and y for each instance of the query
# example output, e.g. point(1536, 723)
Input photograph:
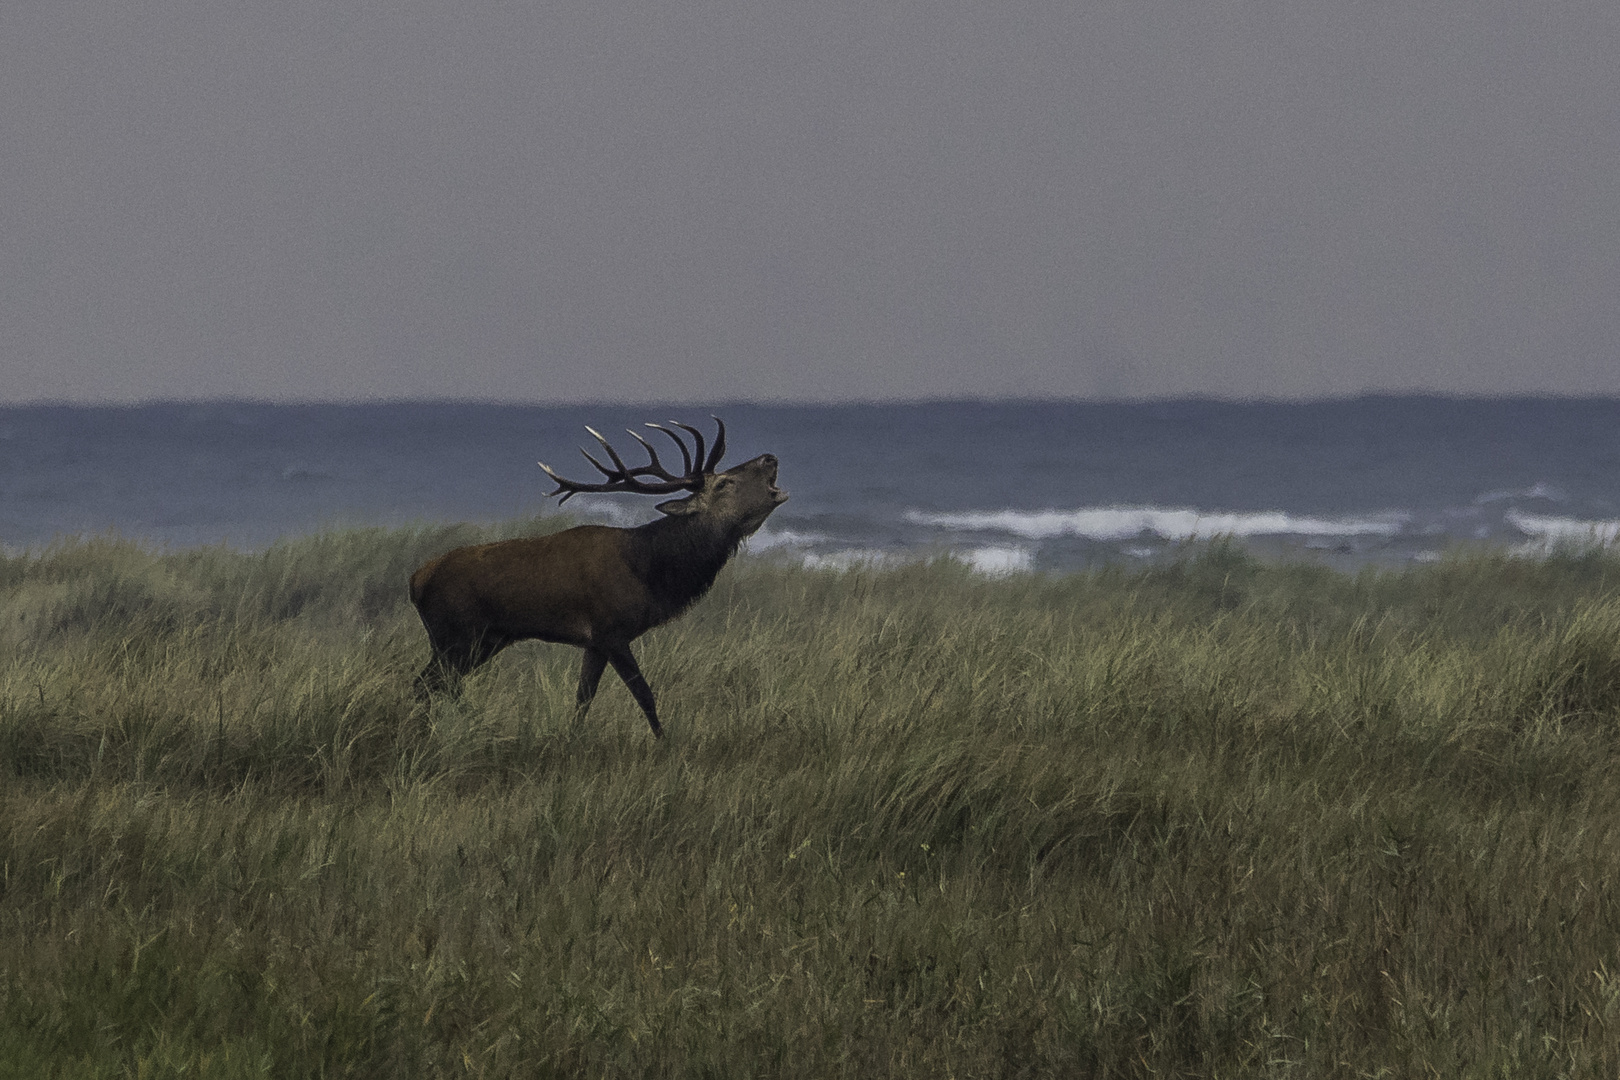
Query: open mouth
point(775, 492)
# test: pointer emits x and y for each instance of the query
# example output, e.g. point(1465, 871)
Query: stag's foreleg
point(625, 664)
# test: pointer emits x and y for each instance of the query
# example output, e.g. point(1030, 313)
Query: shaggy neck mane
point(681, 556)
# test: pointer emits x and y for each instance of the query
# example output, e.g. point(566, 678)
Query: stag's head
point(737, 500)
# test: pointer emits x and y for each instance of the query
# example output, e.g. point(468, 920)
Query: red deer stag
point(594, 586)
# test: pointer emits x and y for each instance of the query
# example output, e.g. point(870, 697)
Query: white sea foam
point(1540, 490)
point(1548, 530)
point(622, 515)
point(998, 561)
point(1175, 523)
point(771, 539)
point(853, 559)
point(993, 561)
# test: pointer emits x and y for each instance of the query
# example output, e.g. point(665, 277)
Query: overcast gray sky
point(818, 200)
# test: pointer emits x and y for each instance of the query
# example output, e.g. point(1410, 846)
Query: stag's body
point(593, 586)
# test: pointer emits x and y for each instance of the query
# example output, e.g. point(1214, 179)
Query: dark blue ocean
point(1006, 487)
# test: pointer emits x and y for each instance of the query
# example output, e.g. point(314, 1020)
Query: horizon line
point(803, 403)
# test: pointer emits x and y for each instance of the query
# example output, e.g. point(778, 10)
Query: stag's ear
point(677, 507)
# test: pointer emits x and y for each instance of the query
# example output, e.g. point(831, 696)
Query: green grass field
point(1214, 819)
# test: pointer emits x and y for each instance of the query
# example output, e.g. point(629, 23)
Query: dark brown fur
point(592, 586)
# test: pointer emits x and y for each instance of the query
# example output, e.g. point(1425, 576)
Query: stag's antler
point(623, 478)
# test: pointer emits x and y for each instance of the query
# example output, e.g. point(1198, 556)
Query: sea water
point(1004, 486)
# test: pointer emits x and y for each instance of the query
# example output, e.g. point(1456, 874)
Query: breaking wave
point(1548, 530)
point(1111, 523)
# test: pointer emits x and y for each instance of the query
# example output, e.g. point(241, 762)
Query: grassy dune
point(1219, 819)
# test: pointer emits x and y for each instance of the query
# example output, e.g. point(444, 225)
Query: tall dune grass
point(1213, 819)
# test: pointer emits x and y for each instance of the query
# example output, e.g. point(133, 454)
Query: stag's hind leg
point(450, 662)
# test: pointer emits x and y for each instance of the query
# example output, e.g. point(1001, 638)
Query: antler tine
point(696, 434)
point(562, 485)
point(686, 455)
point(719, 444)
point(624, 470)
point(601, 468)
point(656, 467)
